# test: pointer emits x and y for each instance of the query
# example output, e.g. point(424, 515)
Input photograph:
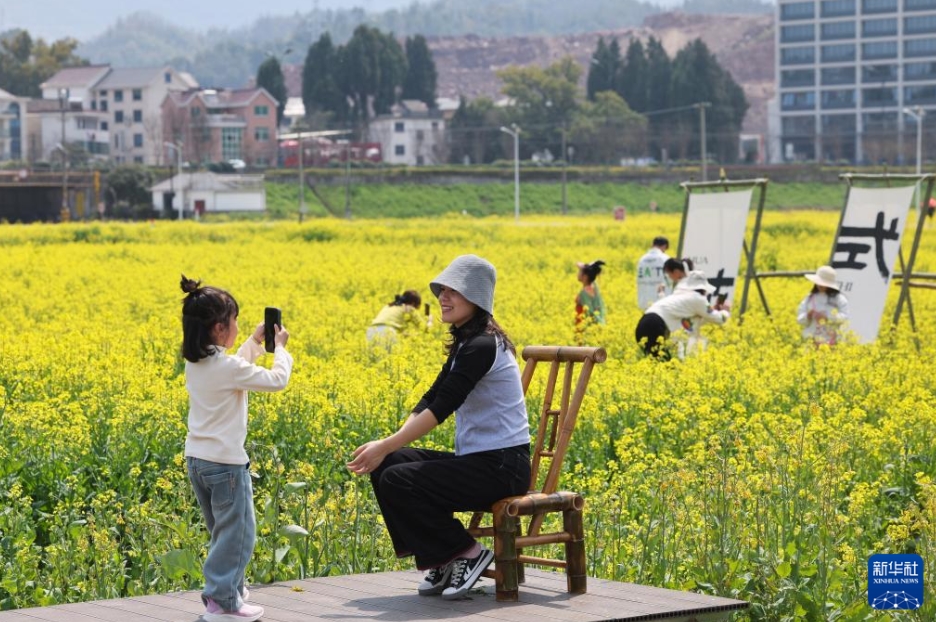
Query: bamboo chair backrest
point(557, 424)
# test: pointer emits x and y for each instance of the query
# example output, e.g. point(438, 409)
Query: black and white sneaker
point(436, 580)
point(465, 573)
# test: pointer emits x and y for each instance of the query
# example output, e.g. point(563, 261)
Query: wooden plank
point(392, 597)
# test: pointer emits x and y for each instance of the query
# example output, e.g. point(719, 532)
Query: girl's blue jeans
point(225, 495)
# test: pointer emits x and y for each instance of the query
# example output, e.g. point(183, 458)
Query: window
point(398, 127)
point(923, 94)
point(196, 112)
point(838, 124)
point(879, 49)
point(841, 52)
point(138, 140)
point(93, 104)
point(920, 71)
point(798, 55)
point(420, 160)
point(117, 141)
point(138, 159)
point(878, 6)
point(919, 24)
point(435, 125)
point(138, 116)
point(844, 98)
point(799, 126)
point(103, 105)
point(797, 10)
point(879, 73)
point(118, 96)
point(399, 150)
point(420, 134)
point(118, 116)
point(838, 75)
point(797, 32)
point(838, 30)
point(103, 126)
point(167, 77)
point(920, 47)
point(261, 134)
point(231, 141)
point(919, 5)
point(798, 101)
point(837, 8)
point(261, 161)
point(881, 96)
point(886, 27)
point(261, 111)
point(137, 95)
point(797, 77)
point(103, 92)
point(877, 121)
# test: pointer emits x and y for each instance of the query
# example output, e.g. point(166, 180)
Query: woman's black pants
point(418, 491)
point(652, 334)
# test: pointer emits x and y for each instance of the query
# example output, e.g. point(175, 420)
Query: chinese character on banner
point(865, 252)
point(895, 582)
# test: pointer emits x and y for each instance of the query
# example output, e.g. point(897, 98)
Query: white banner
point(865, 253)
point(714, 239)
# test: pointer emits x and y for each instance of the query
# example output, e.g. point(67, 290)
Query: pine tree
point(320, 92)
point(634, 77)
point(421, 76)
point(605, 68)
point(270, 77)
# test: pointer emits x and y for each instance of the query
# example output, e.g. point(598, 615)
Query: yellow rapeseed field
point(761, 469)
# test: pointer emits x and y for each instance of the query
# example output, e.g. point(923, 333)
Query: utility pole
point(347, 188)
point(514, 131)
point(702, 106)
point(565, 165)
point(63, 102)
point(302, 203)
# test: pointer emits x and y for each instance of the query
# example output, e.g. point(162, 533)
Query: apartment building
point(221, 125)
point(853, 77)
point(132, 97)
point(12, 127)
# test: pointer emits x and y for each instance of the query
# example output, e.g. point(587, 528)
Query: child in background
point(394, 316)
point(823, 312)
point(589, 305)
point(218, 466)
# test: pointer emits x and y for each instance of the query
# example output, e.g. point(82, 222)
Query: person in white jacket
point(823, 313)
point(680, 313)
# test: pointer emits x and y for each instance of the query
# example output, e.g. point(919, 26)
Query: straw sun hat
point(472, 277)
point(824, 276)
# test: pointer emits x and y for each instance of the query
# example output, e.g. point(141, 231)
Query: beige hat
point(696, 280)
point(824, 276)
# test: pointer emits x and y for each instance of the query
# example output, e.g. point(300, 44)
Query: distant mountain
point(230, 57)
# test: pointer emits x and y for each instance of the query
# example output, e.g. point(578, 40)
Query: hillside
point(743, 44)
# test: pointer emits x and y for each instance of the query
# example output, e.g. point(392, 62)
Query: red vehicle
point(320, 152)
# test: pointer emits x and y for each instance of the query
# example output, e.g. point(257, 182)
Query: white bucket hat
point(472, 277)
point(824, 276)
point(696, 280)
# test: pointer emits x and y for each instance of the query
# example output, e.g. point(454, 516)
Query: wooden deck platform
point(391, 597)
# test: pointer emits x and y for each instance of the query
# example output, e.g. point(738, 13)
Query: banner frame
point(749, 252)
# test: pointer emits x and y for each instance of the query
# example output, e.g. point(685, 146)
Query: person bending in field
point(419, 489)
point(394, 317)
point(218, 466)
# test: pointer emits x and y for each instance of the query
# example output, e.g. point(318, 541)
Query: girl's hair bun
point(189, 285)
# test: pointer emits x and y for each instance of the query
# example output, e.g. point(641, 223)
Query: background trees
point(270, 77)
point(26, 63)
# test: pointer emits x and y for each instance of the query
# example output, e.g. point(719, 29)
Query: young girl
point(589, 305)
point(394, 316)
point(823, 312)
point(217, 427)
point(419, 489)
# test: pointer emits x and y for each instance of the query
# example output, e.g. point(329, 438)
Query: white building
point(211, 192)
point(133, 99)
point(847, 72)
point(411, 135)
point(51, 123)
point(13, 144)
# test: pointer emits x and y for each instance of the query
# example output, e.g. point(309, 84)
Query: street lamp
point(61, 147)
point(178, 151)
point(514, 131)
point(702, 106)
point(917, 116)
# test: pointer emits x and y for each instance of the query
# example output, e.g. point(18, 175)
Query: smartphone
point(271, 317)
point(426, 308)
point(722, 298)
